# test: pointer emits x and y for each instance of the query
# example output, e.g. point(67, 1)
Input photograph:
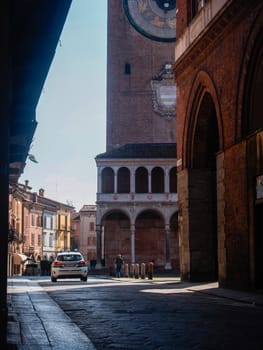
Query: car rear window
point(69, 257)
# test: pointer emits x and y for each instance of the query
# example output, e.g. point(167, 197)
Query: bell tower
point(141, 36)
point(136, 198)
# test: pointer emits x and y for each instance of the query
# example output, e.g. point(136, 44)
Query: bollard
point(150, 271)
point(143, 271)
point(136, 271)
point(132, 270)
point(126, 270)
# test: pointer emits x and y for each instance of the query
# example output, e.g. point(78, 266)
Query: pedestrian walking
point(118, 265)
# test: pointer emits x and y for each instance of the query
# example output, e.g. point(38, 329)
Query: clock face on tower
point(155, 19)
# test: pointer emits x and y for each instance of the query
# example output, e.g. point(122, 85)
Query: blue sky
point(71, 112)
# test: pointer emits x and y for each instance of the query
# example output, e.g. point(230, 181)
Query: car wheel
point(84, 279)
point(53, 279)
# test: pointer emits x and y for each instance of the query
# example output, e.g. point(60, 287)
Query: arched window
point(141, 180)
point(173, 181)
point(107, 180)
point(157, 180)
point(123, 180)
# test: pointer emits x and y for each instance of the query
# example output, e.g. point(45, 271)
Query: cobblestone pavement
point(158, 315)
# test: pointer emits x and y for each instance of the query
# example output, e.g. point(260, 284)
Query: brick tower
point(133, 61)
point(137, 199)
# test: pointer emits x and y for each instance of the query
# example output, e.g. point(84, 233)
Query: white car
point(69, 265)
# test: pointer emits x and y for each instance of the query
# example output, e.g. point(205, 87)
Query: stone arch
point(203, 139)
point(107, 180)
point(112, 211)
point(116, 236)
point(157, 178)
point(150, 237)
point(141, 180)
point(123, 180)
point(156, 211)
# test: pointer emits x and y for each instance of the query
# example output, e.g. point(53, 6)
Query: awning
point(19, 258)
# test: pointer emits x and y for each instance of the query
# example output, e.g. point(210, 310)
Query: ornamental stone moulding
point(164, 92)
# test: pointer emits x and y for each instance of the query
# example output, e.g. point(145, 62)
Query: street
point(158, 314)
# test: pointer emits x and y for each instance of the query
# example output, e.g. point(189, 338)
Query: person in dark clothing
point(118, 265)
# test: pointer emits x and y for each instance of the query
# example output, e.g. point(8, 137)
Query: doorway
point(203, 194)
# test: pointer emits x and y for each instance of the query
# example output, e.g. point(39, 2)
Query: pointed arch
point(249, 99)
point(202, 87)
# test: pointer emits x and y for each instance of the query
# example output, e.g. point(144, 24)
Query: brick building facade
point(218, 69)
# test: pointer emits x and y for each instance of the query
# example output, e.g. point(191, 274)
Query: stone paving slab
point(37, 323)
point(161, 314)
point(211, 288)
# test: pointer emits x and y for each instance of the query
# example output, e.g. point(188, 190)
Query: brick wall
point(217, 64)
point(130, 116)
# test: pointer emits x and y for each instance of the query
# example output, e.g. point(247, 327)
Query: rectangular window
point(32, 220)
point(91, 226)
point(39, 221)
point(51, 240)
point(32, 239)
point(44, 239)
point(127, 69)
point(45, 222)
point(39, 240)
point(48, 222)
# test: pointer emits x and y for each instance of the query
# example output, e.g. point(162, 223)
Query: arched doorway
point(150, 238)
point(203, 193)
point(116, 237)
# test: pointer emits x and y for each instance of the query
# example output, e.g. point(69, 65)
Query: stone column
point(98, 234)
point(132, 179)
point(167, 181)
point(99, 188)
point(167, 248)
point(149, 181)
point(132, 228)
point(115, 181)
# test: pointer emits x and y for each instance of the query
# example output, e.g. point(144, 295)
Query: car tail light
point(57, 264)
point(81, 263)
